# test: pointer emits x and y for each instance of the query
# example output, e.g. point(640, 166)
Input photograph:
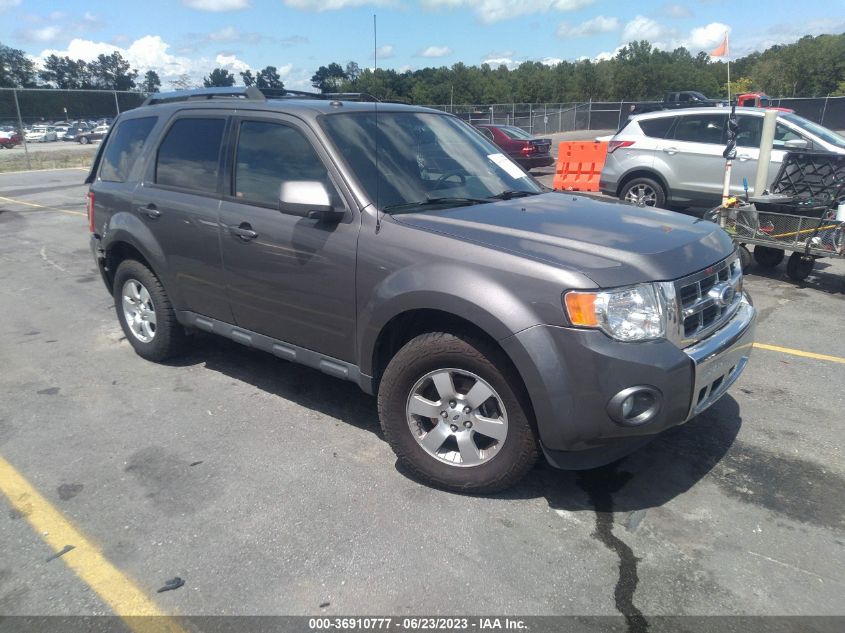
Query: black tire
point(644, 192)
point(169, 337)
point(437, 351)
point(744, 257)
point(798, 267)
point(768, 257)
point(84, 140)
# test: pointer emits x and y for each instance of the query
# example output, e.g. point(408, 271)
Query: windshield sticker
point(505, 163)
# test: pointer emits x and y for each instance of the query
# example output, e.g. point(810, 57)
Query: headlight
point(634, 313)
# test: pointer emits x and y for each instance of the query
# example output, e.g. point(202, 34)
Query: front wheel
point(453, 410)
point(84, 140)
point(644, 192)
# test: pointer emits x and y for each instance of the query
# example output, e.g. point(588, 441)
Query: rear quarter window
point(657, 128)
point(124, 148)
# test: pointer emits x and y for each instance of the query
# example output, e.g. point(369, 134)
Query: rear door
point(291, 278)
point(178, 202)
point(693, 156)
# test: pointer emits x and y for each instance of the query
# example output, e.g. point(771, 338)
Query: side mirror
point(308, 199)
point(796, 143)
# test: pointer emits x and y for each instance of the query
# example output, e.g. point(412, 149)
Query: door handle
point(670, 150)
point(150, 211)
point(243, 231)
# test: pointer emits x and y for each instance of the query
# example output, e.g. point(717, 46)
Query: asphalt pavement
point(268, 488)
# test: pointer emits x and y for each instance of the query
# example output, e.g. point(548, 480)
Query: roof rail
point(282, 93)
point(238, 92)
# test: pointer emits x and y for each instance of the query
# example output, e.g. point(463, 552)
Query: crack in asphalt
point(600, 484)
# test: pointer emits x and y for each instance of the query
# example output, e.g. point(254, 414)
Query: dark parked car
point(519, 145)
point(395, 247)
point(91, 135)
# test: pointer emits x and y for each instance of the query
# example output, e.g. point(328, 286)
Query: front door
point(694, 153)
point(288, 277)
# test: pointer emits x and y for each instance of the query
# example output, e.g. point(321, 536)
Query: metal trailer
point(804, 215)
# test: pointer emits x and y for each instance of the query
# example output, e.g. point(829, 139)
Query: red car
point(526, 150)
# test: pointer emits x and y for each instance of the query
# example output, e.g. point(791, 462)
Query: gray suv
point(396, 247)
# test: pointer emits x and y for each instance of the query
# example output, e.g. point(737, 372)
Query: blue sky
point(191, 37)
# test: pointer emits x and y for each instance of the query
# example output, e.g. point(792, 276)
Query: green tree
point(152, 82)
point(247, 78)
point(219, 78)
point(268, 79)
point(328, 78)
point(113, 72)
point(16, 69)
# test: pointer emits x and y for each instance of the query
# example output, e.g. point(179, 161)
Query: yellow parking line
point(798, 352)
point(85, 559)
point(41, 206)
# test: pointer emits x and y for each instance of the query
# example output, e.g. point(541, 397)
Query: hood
point(613, 244)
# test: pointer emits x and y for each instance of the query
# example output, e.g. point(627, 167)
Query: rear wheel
point(452, 410)
point(145, 313)
point(644, 192)
point(84, 140)
point(768, 257)
point(799, 266)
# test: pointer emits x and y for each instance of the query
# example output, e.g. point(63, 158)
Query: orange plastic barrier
point(579, 165)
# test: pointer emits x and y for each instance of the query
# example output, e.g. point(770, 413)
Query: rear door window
point(124, 147)
point(657, 128)
point(701, 128)
point(189, 155)
point(749, 131)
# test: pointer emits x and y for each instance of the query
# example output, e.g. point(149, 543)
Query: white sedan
point(41, 134)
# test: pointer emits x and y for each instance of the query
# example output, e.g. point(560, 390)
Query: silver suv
point(674, 158)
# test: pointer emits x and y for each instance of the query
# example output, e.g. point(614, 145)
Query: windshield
point(422, 158)
point(823, 133)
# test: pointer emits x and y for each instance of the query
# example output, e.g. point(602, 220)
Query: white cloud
point(41, 34)
point(551, 61)
point(677, 11)
point(497, 10)
point(593, 26)
point(385, 52)
point(217, 5)
point(333, 5)
point(707, 37)
point(148, 53)
point(226, 34)
point(643, 28)
point(495, 62)
point(436, 51)
point(5, 5)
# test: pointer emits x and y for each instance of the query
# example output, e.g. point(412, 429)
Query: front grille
point(705, 300)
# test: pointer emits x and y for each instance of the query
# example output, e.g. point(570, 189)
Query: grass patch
point(45, 160)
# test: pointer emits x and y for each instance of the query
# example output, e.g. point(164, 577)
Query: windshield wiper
point(431, 201)
point(507, 194)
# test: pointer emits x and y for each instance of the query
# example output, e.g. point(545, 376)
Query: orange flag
point(722, 49)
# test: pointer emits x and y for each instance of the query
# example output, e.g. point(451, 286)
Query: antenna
point(375, 107)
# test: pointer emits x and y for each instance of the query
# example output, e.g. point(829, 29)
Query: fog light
point(635, 406)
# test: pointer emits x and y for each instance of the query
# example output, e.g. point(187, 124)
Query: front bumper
point(571, 375)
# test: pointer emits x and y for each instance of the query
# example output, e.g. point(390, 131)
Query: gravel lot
point(267, 486)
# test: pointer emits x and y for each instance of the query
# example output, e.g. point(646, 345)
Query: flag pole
point(728, 52)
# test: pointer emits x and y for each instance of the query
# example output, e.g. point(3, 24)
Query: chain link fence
point(551, 118)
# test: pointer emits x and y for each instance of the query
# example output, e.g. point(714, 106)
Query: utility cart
point(804, 214)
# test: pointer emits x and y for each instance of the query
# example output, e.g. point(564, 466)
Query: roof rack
point(250, 93)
